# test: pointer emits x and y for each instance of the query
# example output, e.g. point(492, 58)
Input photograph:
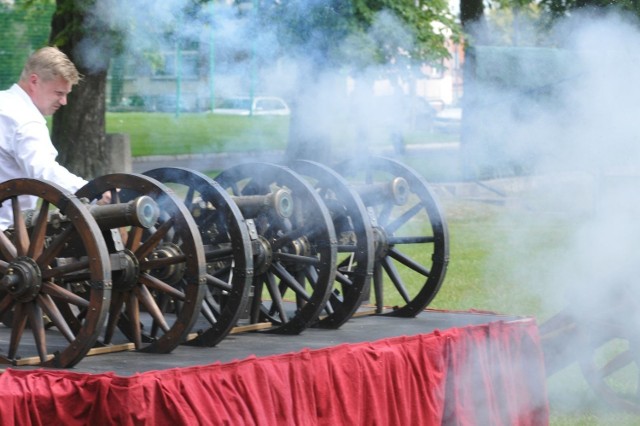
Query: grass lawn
point(168, 134)
point(196, 133)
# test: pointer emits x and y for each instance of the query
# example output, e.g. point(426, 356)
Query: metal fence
point(24, 29)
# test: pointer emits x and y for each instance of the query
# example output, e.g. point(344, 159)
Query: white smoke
point(583, 149)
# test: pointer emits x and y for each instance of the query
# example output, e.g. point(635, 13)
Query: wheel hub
point(128, 272)
point(23, 279)
point(381, 242)
point(171, 273)
point(262, 255)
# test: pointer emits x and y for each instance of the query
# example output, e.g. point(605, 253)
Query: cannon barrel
point(280, 201)
point(142, 211)
point(372, 194)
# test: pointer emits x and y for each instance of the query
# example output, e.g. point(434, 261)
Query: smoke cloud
point(567, 118)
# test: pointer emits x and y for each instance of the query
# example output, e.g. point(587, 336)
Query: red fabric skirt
point(490, 374)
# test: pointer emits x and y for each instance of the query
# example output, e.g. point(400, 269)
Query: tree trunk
point(471, 17)
point(78, 130)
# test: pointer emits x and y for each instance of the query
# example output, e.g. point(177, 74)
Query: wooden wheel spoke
point(6, 304)
point(162, 262)
point(407, 261)
point(219, 253)
point(55, 246)
point(134, 239)
point(343, 279)
point(210, 309)
point(3, 267)
point(385, 212)
point(311, 274)
point(256, 303)
point(276, 298)
point(34, 312)
point(290, 281)
point(161, 286)
point(133, 313)
point(308, 260)
point(62, 294)
point(115, 310)
point(7, 249)
point(218, 283)
point(392, 272)
point(20, 227)
point(411, 240)
point(39, 231)
point(188, 199)
point(618, 362)
point(17, 329)
point(156, 238)
point(55, 316)
point(378, 286)
point(150, 304)
point(60, 271)
point(404, 218)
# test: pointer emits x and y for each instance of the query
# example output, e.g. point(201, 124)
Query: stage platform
point(438, 368)
point(240, 346)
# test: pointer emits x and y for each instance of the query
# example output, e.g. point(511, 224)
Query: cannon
point(291, 238)
point(411, 242)
point(604, 345)
point(57, 271)
point(227, 245)
point(158, 271)
point(355, 250)
point(34, 292)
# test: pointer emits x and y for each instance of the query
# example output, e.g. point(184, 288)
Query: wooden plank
point(32, 360)
point(364, 313)
point(251, 327)
point(112, 348)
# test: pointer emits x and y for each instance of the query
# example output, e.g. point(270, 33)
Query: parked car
point(258, 105)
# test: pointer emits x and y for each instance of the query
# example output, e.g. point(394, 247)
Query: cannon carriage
point(605, 345)
point(178, 257)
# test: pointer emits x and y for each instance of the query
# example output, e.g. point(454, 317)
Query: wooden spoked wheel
point(355, 241)
point(612, 367)
point(158, 272)
point(55, 278)
point(227, 249)
point(410, 232)
point(295, 249)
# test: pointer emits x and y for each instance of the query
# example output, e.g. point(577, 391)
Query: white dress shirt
point(26, 150)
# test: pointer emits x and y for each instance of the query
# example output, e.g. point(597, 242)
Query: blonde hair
point(49, 63)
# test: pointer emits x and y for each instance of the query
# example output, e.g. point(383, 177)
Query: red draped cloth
point(490, 374)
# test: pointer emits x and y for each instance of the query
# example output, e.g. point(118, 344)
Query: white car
point(259, 105)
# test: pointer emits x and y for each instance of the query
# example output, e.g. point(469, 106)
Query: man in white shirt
point(26, 150)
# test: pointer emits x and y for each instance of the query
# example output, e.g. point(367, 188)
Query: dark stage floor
point(242, 345)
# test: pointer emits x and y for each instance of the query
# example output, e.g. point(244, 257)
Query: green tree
point(393, 37)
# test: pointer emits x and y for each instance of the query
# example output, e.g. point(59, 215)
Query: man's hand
point(106, 199)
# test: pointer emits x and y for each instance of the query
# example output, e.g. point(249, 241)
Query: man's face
point(49, 95)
